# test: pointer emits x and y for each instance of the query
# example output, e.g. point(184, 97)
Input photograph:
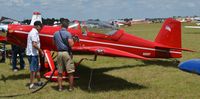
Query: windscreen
point(100, 27)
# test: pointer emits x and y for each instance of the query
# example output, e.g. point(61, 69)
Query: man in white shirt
point(32, 51)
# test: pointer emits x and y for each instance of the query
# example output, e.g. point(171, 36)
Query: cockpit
point(100, 27)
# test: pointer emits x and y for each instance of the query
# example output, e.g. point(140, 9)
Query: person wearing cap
point(32, 51)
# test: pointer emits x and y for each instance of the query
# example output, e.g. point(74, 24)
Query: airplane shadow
point(164, 63)
point(104, 82)
point(100, 80)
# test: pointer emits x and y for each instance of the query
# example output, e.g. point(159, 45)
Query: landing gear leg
point(91, 73)
point(176, 61)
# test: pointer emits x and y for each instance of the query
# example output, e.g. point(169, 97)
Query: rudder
point(170, 33)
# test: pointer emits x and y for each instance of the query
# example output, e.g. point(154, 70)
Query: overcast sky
point(101, 9)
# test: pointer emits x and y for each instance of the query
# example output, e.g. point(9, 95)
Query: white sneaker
point(31, 86)
point(15, 70)
point(71, 89)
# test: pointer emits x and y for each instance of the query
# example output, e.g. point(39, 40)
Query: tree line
point(47, 21)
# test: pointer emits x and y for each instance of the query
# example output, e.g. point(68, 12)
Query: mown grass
point(115, 78)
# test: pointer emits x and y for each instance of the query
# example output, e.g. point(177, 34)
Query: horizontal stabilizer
point(184, 49)
point(174, 48)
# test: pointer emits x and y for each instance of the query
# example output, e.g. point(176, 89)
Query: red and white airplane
point(103, 39)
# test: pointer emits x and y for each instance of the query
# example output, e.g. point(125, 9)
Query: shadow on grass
point(55, 87)
point(104, 82)
point(164, 63)
point(3, 78)
point(14, 77)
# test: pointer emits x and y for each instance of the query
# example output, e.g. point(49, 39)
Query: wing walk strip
point(105, 43)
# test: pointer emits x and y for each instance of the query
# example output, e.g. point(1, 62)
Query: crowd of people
point(63, 41)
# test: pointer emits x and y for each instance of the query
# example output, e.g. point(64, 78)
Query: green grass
point(115, 78)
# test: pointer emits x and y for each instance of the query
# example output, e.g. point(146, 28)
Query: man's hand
point(42, 53)
point(71, 42)
point(40, 50)
point(75, 38)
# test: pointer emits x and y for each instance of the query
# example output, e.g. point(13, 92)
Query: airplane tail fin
point(36, 17)
point(170, 33)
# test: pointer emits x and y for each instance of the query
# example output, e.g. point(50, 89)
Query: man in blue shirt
point(63, 41)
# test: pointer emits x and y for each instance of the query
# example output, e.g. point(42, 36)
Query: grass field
point(119, 78)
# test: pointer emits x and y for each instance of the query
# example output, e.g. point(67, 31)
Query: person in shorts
point(63, 41)
point(32, 51)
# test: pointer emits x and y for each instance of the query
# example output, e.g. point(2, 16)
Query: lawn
point(117, 78)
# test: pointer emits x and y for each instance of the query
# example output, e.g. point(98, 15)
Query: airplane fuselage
point(121, 41)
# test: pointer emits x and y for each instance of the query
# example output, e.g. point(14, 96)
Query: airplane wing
point(109, 52)
point(193, 27)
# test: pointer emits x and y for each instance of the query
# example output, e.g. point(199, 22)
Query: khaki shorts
point(65, 63)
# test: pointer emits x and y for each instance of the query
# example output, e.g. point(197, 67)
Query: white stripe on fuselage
point(22, 32)
point(105, 43)
point(128, 46)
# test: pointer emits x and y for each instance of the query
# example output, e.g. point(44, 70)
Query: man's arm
point(53, 41)
point(71, 42)
point(35, 46)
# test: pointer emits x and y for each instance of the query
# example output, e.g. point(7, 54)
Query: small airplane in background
point(6, 20)
point(197, 20)
point(105, 39)
point(119, 23)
